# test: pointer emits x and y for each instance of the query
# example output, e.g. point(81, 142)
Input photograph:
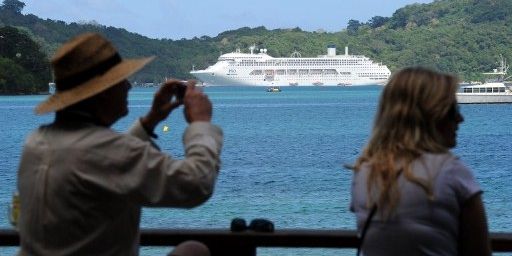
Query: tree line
point(464, 37)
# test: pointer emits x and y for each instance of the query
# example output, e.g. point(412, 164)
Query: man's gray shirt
point(82, 187)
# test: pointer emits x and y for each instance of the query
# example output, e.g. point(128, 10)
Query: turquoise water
point(283, 156)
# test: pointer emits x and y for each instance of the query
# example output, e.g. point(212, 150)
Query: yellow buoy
point(166, 128)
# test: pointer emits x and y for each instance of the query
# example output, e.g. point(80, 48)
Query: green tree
point(13, 5)
point(377, 21)
point(353, 26)
point(24, 68)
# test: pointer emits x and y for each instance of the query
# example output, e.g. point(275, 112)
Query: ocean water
point(283, 156)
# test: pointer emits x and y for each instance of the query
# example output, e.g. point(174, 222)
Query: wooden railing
point(225, 242)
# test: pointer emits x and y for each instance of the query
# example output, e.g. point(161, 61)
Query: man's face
point(116, 102)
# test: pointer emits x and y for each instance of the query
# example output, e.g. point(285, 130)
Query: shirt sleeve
point(136, 171)
point(138, 131)
point(463, 182)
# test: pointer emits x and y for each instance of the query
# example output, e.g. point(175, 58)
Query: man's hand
point(197, 105)
point(162, 104)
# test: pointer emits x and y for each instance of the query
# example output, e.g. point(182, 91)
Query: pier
point(245, 243)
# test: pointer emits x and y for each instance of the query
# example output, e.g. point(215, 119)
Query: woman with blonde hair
point(410, 194)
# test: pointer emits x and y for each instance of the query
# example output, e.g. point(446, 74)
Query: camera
point(180, 90)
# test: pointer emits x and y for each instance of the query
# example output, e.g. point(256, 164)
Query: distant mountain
point(458, 36)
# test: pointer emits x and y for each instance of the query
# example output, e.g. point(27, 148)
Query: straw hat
point(85, 66)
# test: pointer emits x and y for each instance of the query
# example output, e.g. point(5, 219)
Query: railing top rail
point(501, 241)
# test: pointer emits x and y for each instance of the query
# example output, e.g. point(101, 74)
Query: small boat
point(273, 89)
point(497, 92)
point(492, 91)
point(318, 83)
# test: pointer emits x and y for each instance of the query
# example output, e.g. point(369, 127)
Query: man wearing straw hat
point(81, 184)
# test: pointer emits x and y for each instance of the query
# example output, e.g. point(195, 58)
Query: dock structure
point(245, 243)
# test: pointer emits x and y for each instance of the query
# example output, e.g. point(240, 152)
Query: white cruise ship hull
point(216, 78)
point(244, 69)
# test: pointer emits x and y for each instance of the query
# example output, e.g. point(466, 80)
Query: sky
point(176, 19)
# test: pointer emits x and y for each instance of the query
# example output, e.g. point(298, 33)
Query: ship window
point(489, 89)
point(256, 72)
point(495, 89)
point(482, 89)
point(468, 90)
point(502, 89)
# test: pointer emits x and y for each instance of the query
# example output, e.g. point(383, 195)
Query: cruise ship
point(261, 69)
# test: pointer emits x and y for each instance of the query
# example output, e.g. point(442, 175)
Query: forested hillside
point(459, 36)
point(24, 68)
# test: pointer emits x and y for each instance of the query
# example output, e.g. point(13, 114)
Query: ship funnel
point(346, 50)
point(331, 50)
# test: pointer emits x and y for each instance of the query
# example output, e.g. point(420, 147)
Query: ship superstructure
point(261, 69)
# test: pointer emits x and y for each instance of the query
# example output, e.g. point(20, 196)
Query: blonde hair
point(412, 104)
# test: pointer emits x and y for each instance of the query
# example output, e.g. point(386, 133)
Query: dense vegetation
point(458, 36)
point(24, 69)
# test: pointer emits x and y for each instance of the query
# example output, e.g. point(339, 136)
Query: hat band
point(81, 77)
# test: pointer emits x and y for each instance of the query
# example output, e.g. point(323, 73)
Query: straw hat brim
point(93, 86)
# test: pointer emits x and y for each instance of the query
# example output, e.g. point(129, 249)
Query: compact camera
point(180, 90)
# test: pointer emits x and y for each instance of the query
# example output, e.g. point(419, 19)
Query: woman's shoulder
point(442, 161)
point(444, 157)
point(455, 173)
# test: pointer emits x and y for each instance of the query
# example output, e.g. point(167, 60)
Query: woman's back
point(419, 225)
